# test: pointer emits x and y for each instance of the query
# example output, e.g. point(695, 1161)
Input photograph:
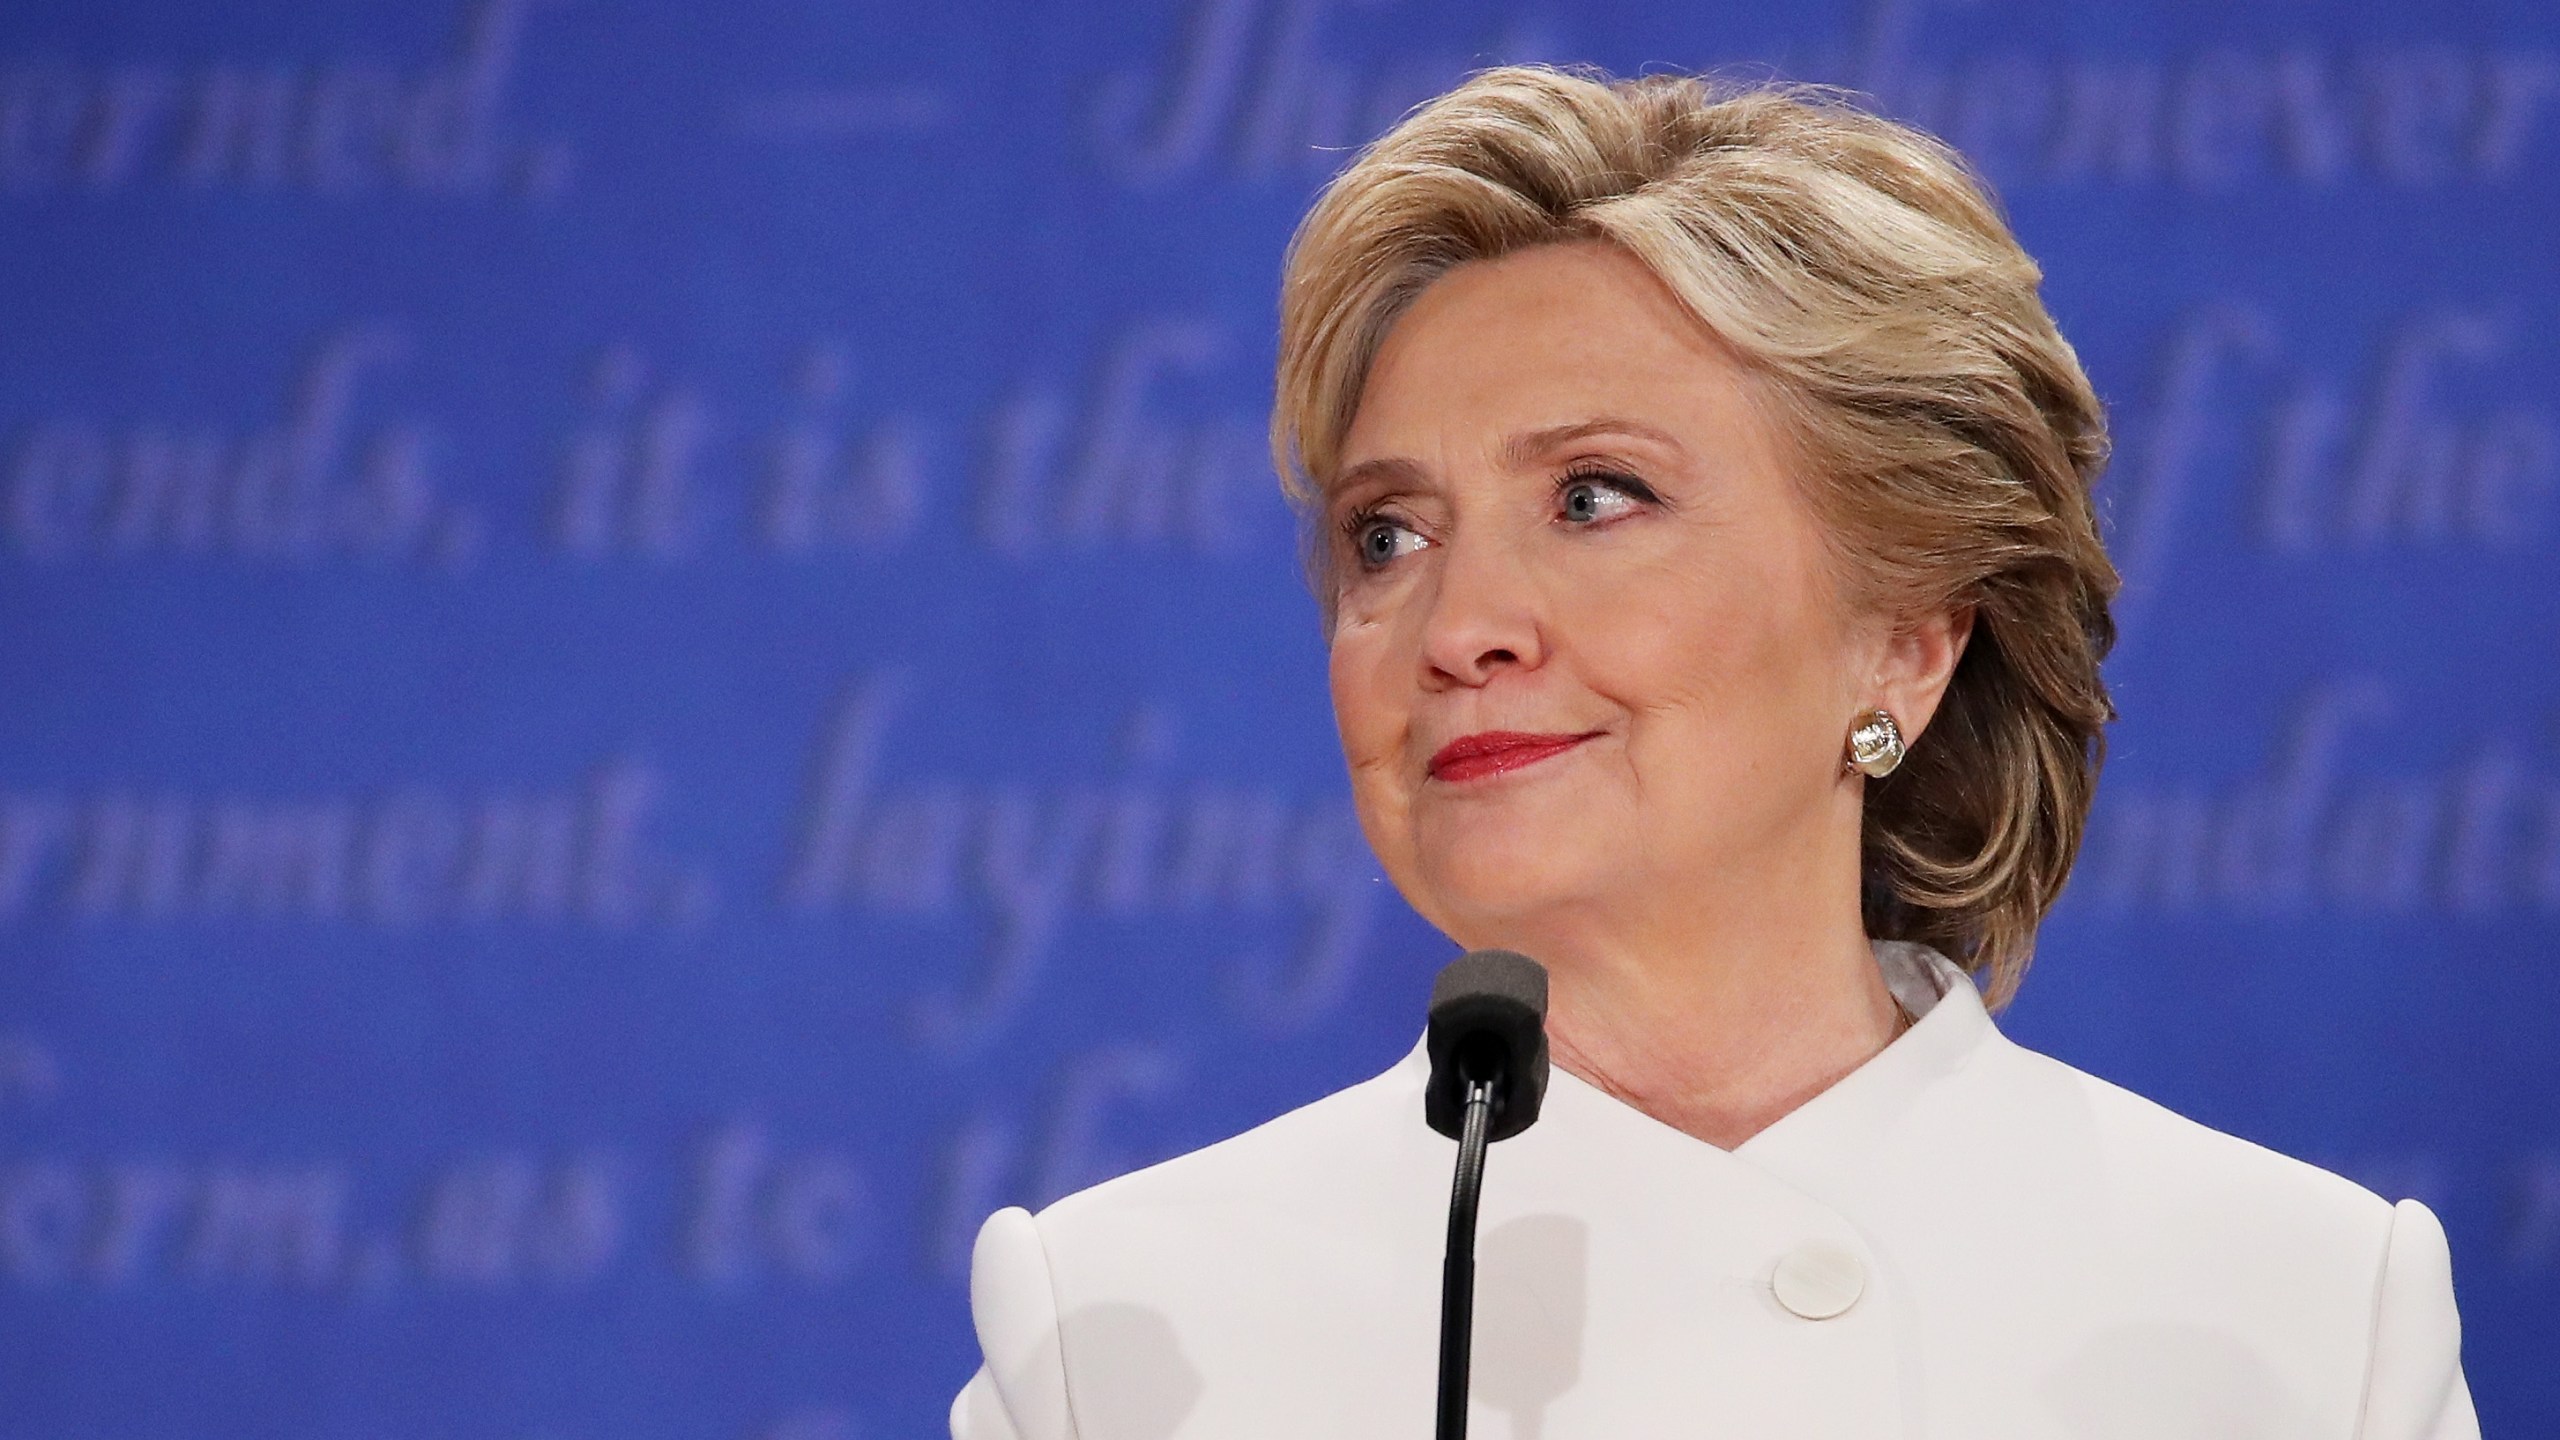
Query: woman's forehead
point(1532, 348)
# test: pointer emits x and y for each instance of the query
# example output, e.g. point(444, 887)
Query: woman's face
point(1588, 666)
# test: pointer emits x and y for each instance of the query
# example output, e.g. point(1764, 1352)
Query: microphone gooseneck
point(1458, 1268)
point(1488, 1047)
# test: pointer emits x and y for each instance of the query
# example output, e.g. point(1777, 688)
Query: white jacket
point(1961, 1240)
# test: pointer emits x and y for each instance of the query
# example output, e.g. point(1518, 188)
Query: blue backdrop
point(647, 658)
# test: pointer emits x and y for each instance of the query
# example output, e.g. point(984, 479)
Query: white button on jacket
point(1961, 1240)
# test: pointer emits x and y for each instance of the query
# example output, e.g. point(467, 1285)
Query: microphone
point(1488, 1047)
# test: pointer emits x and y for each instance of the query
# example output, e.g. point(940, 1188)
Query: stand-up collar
point(1828, 1136)
point(1837, 1132)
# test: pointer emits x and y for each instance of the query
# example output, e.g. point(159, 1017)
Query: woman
point(1715, 605)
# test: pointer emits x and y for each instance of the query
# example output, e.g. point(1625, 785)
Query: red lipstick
point(1498, 752)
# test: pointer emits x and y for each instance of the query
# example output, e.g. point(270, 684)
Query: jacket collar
point(1824, 1146)
point(1836, 1135)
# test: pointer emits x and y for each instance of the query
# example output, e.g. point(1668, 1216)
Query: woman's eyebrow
point(1524, 448)
point(1387, 470)
point(1527, 446)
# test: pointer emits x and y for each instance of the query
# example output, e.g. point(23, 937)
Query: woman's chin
point(1496, 879)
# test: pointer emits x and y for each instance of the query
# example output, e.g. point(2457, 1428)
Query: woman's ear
point(1919, 659)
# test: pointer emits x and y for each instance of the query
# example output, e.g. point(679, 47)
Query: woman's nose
point(1484, 617)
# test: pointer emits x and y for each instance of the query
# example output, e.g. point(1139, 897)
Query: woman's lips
point(1498, 752)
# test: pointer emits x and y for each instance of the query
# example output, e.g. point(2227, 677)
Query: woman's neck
point(1722, 1050)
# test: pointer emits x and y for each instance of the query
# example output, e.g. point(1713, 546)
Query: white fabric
point(1962, 1240)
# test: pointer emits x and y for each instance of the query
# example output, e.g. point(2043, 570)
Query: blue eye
point(1589, 501)
point(1381, 541)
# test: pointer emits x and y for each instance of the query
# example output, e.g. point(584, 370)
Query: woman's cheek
point(1647, 639)
point(1372, 750)
point(1365, 710)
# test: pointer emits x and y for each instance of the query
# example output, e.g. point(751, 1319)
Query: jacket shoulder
point(2127, 1258)
point(2182, 1202)
point(2175, 1161)
point(1340, 1142)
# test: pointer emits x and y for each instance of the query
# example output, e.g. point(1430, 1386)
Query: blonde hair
point(1948, 434)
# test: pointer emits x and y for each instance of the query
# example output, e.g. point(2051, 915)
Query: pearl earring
point(1875, 745)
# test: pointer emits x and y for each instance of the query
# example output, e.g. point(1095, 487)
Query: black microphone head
point(1488, 1022)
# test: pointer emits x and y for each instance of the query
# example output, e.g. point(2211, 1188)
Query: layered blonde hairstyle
point(1945, 431)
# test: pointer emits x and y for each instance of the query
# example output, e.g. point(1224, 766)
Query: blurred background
point(648, 659)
